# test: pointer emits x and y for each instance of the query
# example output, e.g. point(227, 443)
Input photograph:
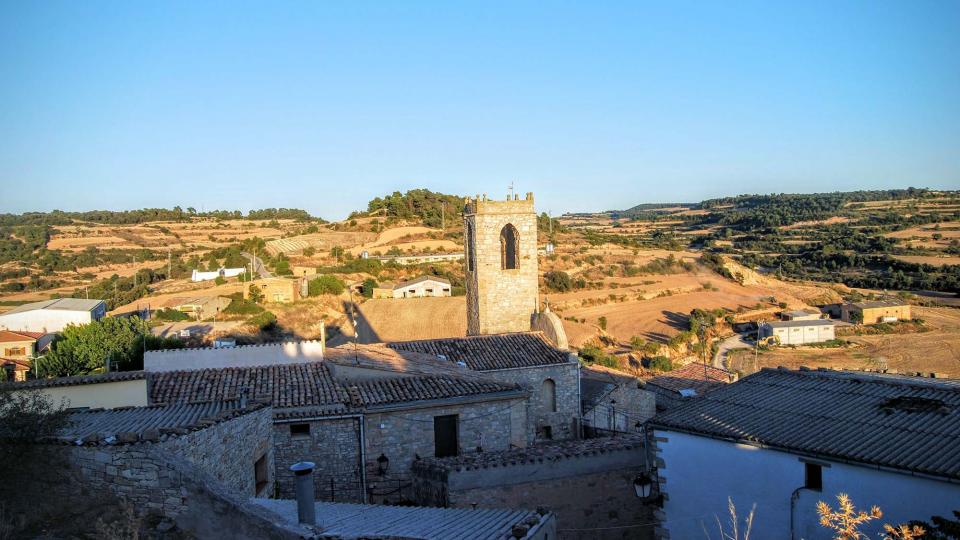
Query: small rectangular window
point(813, 476)
point(299, 430)
point(548, 432)
point(260, 473)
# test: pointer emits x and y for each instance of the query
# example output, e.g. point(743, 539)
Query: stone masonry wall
point(492, 425)
point(333, 445)
point(499, 300)
point(227, 451)
point(563, 422)
point(148, 475)
point(592, 495)
point(598, 502)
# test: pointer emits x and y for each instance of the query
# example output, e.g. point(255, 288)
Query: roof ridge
point(887, 379)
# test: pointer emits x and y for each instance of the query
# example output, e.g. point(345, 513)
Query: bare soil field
point(659, 317)
point(936, 351)
point(925, 231)
point(931, 260)
point(405, 319)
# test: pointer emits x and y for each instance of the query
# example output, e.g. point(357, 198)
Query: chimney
point(306, 511)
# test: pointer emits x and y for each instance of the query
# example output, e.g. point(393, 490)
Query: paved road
point(736, 341)
point(258, 266)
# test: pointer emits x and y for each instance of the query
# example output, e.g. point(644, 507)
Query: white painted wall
point(223, 272)
point(701, 472)
point(48, 320)
point(105, 395)
point(799, 335)
point(424, 288)
point(244, 356)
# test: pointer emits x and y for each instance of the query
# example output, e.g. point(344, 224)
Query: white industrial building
point(799, 332)
point(53, 315)
point(784, 440)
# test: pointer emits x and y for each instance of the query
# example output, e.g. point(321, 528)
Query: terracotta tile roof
point(693, 376)
point(313, 387)
point(489, 353)
point(667, 386)
point(113, 376)
point(133, 424)
point(539, 453)
point(901, 422)
point(7, 336)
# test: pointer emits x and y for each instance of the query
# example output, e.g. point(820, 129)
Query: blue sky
point(592, 105)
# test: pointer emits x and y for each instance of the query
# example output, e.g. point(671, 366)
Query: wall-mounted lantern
point(643, 485)
point(383, 463)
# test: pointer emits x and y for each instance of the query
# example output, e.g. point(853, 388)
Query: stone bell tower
point(501, 264)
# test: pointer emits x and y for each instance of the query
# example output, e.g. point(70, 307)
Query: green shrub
point(264, 321)
point(220, 280)
point(367, 288)
point(240, 306)
point(558, 281)
point(592, 354)
point(169, 314)
point(327, 285)
point(661, 363)
point(603, 323)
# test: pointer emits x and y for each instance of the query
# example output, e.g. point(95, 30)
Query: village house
point(529, 359)
point(49, 316)
point(207, 467)
point(199, 307)
point(687, 382)
point(875, 312)
point(278, 290)
point(101, 391)
point(414, 288)
point(798, 332)
point(613, 402)
point(18, 349)
point(784, 440)
point(364, 414)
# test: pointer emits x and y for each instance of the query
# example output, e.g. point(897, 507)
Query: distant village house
point(415, 288)
point(875, 312)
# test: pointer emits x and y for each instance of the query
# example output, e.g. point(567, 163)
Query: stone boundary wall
point(293, 352)
point(594, 491)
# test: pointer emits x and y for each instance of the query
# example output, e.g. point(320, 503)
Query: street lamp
point(643, 485)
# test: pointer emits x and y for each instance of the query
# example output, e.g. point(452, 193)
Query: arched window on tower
point(549, 395)
point(470, 248)
point(509, 248)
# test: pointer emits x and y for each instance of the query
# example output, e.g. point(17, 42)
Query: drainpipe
point(579, 401)
point(306, 509)
point(793, 502)
point(363, 460)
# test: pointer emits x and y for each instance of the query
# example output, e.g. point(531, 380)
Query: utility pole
point(443, 216)
point(550, 221)
point(169, 265)
point(511, 190)
point(756, 347)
